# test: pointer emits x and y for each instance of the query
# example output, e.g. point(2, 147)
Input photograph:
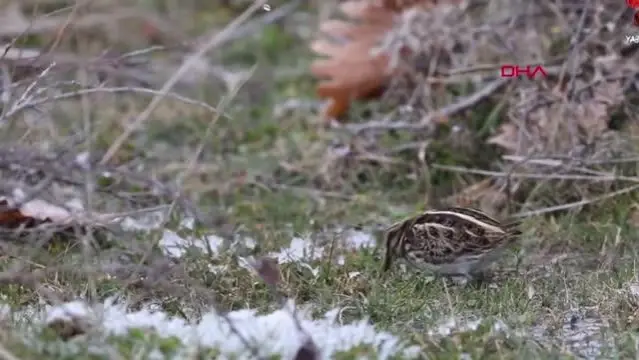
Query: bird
point(453, 241)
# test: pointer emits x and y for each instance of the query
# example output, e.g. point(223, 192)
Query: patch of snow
point(633, 289)
point(187, 223)
point(245, 242)
point(174, 245)
point(68, 312)
point(580, 333)
point(358, 239)
point(149, 221)
point(246, 263)
point(314, 270)
point(82, 159)
point(304, 249)
point(274, 334)
point(249, 243)
point(218, 269)
point(299, 249)
point(453, 325)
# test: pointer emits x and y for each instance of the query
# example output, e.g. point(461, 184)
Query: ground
point(568, 289)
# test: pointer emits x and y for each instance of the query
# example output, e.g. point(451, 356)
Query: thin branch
point(597, 178)
point(184, 68)
point(126, 89)
point(448, 110)
point(525, 214)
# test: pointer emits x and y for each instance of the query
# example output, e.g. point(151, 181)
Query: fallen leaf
point(37, 212)
point(268, 270)
point(506, 138)
point(351, 69)
point(308, 351)
point(633, 216)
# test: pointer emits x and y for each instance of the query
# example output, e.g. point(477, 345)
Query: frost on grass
point(274, 334)
point(174, 245)
point(303, 250)
point(582, 333)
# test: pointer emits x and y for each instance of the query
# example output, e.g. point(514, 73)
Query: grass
point(573, 293)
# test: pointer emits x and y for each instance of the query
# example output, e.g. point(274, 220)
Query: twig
point(611, 177)
point(126, 89)
point(256, 25)
point(142, 117)
point(186, 66)
point(314, 193)
point(550, 209)
point(428, 120)
point(557, 160)
point(6, 354)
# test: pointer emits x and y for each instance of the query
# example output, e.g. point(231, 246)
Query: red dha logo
point(511, 71)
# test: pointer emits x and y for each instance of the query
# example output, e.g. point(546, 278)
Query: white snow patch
point(273, 334)
point(174, 245)
point(453, 325)
point(304, 249)
point(68, 312)
point(299, 249)
point(358, 239)
point(149, 221)
point(581, 334)
point(633, 290)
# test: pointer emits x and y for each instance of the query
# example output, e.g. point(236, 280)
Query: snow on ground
point(277, 333)
point(301, 249)
point(273, 334)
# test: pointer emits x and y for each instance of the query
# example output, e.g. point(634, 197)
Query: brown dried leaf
point(633, 217)
point(559, 126)
point(593, 116)
point(482, 195)
point(351, 71)
point(68, 328)
point(506, 138)
point(268, 270)
point(308, 351)
point(37, 212)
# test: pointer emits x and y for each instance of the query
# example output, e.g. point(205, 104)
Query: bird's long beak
point(388, 260)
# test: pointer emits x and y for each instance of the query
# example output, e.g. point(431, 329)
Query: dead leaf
point(506, 138)
point(593, 116)
point(68, 328)
point(351, 71)
point(633, 217)
point(37, 212)
point(482, 195)
point(559, 126)
point(268, 270)
point(308, 351)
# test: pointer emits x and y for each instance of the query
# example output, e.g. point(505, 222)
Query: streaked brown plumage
point(453, 241)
